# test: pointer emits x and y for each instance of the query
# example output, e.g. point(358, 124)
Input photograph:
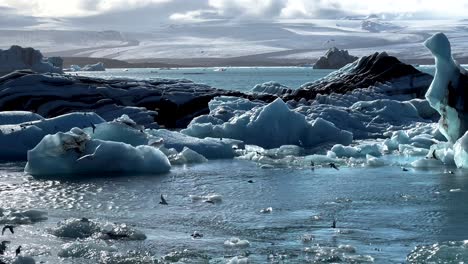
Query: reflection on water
point(382, 213)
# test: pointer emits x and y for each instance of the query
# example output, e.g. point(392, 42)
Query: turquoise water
point(233, 78)
point(382, 213)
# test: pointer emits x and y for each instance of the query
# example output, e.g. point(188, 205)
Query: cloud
point(142, 14)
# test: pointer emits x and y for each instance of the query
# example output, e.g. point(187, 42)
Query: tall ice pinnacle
point(448, 91)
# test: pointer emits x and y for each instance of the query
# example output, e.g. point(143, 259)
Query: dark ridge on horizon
point(212, 62)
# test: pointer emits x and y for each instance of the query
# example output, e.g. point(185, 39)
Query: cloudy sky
point(127, 14)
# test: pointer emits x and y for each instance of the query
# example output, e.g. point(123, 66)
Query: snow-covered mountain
point(278, 40)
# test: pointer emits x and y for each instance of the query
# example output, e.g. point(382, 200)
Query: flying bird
point(89, 156)
point(332, 165)
point(10, 227)
point(163, 201)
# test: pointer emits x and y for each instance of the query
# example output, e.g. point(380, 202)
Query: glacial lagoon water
point(382, 213)
point(233, 78)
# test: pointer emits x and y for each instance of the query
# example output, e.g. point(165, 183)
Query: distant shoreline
point(212, 62)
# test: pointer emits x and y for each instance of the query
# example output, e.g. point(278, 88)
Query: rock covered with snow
point(75, 152)
point(94, 67)
point(270, 126)
point(18, 58)
point(334, 59)
point(448, 91)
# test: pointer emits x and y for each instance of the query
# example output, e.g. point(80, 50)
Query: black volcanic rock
point(171, 103)
point(366, 72)
point(334, 59)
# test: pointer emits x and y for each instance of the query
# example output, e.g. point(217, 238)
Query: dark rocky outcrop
point(334, 59)
point(171, 103)
point(366, 72)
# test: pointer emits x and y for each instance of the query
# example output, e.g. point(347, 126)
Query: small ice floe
point(76, 228)
point(307, 238)
point(196, 235)
point(236, 242)
point(238, 260)
point(177, 256)
point(83, 228)
point(84, 249)
point(266, 210)
point(19, 217)
point(131, 257)
point(121, 231)
point(187, 156)
point(210, 198)
point(374, 161)
point(455, 190)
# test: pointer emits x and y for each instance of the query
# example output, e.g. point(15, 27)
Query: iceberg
point(447, 93)
point(210, 148)
point(18, 58)
point(270, 88)
point(94, 67)
point(17, 139)
point(271, 126)
point(460, 151)
point(74, 152)
point(18, 117)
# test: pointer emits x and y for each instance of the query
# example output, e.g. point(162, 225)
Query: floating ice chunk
point(75, 153)
point(270, 88)
point(211, 148)
point(131, 257)
point(94, 67)
point(455, 190)
point(357, 151)
point(236, 242)
point(427, 163)
point(90, 250)
point(271, 126)
point(187, 156)
point(374, 162)
point(13, 216)
point(460, 151)
point(76, 228)
point(121, 231)
point(442, 151)
point(238, 260)
point(16, 140)
point(18, 117)
point(447, 93)
point(122, 129)
point(409, 150)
